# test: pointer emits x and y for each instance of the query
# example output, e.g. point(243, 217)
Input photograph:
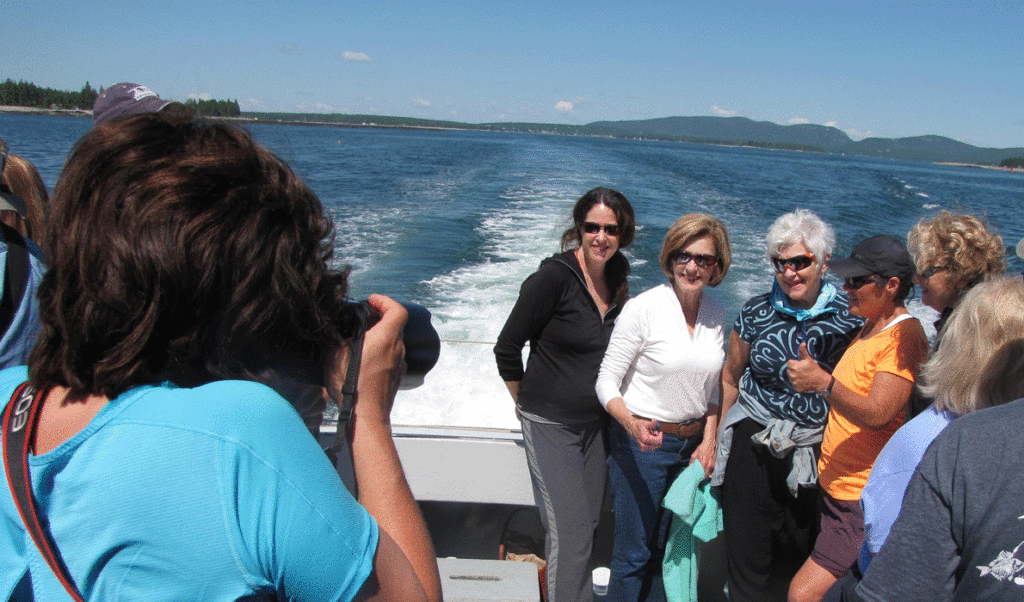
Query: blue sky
point(871, 68)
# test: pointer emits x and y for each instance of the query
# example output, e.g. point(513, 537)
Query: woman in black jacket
point(567, 310)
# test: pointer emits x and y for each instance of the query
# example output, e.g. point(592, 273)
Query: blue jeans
point(639, 481)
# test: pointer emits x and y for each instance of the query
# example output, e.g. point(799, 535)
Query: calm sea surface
point(456, 220)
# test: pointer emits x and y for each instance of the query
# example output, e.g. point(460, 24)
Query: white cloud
point(421, 102)
point(314, 107)
point(722, 112)
point(799, 121)
point(201, 96)
point(564, 106)
point(858, 134)
point(832, 124)
point(348, 55)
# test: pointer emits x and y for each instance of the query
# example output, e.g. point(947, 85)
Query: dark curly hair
point(180, 250)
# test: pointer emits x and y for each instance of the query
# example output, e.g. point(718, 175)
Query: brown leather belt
point(682, 430)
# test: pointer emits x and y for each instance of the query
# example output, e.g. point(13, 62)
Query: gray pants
point(567, 466)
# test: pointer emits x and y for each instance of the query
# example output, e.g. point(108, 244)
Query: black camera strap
point(19, 423)
point(339, 448)
point(16, 271)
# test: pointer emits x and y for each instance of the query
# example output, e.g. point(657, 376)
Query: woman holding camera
point(660, 382)
point(187, 262)
point(566, 310)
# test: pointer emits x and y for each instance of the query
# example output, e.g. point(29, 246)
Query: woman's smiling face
point(801, 286)
point(598, 247)
point(688, 276)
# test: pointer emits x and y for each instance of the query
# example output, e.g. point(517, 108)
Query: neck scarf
point(821, 306)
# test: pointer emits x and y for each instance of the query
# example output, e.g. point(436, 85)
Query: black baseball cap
point(884, 255)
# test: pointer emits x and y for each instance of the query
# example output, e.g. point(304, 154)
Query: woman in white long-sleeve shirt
point(660, 381)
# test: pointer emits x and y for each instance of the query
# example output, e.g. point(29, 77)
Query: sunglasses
point(858, 281)
point(928, 273)
point(594, 228)
point(795, 263)
point(702, 261)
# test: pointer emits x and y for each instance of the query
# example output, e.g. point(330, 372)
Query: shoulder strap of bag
point(15, 276)
point(19, 422)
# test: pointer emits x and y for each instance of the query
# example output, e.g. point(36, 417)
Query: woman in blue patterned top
point(770, 434)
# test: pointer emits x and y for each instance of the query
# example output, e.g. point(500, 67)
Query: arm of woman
point(735, 364)
point(624, 347)
point(888, 397)
point(405, 565)
point(705, 452)
point(890, 388)
point(644, 431)
point(538, 298)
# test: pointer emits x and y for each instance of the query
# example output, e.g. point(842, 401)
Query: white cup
point(601, 575)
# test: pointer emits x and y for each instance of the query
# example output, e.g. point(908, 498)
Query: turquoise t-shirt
point(212, 493)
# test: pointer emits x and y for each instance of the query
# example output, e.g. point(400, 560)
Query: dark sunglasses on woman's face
point(932, 269)
point(702, 261)
point(858, 281)
point(795, 263)
point(594, 228)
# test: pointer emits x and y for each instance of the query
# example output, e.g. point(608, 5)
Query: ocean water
point(456, 220)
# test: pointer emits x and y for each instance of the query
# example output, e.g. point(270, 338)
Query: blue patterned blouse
point(774, 332)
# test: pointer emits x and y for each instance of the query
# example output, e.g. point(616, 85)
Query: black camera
point(422, 344)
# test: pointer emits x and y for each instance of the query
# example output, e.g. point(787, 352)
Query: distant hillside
point(740, 130)
point(714, 130)
point(736, 130)
point(932, 148)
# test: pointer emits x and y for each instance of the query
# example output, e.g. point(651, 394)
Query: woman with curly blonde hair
point(953, 252)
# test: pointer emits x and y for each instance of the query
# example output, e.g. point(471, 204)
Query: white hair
point(803, 227)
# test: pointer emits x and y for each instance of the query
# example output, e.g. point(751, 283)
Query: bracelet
point(828, 390)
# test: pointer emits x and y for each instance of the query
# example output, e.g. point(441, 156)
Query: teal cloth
point(697, 515)
point(821, 306)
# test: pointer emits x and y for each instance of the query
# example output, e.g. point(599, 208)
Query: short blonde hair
point(959, 241)
point(689, 228)
point(990, 315)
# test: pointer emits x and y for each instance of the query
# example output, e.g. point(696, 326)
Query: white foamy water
point(464, 388)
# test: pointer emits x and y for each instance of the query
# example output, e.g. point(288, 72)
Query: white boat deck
point(456, 464)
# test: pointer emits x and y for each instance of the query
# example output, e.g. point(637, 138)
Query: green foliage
point(27, 94)
point(215, 108)
point(1014, 162)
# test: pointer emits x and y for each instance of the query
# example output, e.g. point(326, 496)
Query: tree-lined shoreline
point(26, 95)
